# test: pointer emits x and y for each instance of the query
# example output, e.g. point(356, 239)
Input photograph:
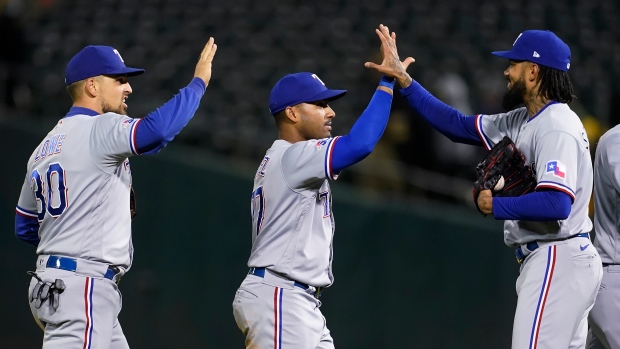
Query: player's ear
point(289, 112)
point(533, 70)
point(91, 87)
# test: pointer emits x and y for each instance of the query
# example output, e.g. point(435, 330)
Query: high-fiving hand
point(391, 64)
point(203, 67)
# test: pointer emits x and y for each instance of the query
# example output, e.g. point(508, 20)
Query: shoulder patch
point(556, 167)
point(128, 122)
point(320, 144)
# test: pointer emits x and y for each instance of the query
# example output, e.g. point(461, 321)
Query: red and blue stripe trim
point(328, 159)
point(277, 310)
point(556, 186)
point(88, 305)
point(483, 137)
point(542, 299)
point(25, 213)
point(132, 137)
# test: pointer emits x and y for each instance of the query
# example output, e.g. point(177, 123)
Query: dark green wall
point(407, 276)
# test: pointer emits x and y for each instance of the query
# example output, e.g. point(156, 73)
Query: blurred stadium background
point(414, 189)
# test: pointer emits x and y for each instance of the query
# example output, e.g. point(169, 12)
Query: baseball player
point(75, 201)
point(277, 304)
point(604, 326)
point(560, 269)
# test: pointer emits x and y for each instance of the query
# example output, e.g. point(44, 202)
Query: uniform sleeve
point(609, 162)
point(160, 126)
point(442, 117)
point(540, 206)
point(364, 134)
point(113, 137)
point(492, 128)
point(307, 164)
point(26, 221)
point(557, 162)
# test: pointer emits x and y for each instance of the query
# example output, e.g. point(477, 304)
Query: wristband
point(387, 82)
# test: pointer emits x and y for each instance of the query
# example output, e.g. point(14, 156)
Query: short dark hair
point(75, 89)
point(555, 85)
point(280, 116)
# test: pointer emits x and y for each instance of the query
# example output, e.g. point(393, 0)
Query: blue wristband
point(387, 82)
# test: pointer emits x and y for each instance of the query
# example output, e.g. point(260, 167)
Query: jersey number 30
point(52, 199)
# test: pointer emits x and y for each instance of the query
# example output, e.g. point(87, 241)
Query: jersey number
point(258, 207)
point(52, 199)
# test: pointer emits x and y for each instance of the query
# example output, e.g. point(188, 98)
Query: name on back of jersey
point(50, 146)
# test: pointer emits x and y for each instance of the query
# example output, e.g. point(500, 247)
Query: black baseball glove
point(504, 172)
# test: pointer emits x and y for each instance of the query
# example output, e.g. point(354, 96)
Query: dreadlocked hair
point(555, 85)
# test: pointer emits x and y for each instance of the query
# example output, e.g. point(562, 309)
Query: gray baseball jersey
point(558, 281)
point(292, 233)
point(604, 330)
point(607, 196)
point(77, 185)
point(292, 220)
point(555, 143)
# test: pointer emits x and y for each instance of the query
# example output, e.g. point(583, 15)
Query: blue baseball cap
point(541, 47)
point(97, 60)
point(297, 88)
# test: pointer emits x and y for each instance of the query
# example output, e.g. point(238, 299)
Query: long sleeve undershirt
point(549, 205)
point(161, 125)
point(444, 118)
point(365, 133)
point(537, 206)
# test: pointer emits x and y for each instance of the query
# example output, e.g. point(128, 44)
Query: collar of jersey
point(541, 110)
point(81, 111)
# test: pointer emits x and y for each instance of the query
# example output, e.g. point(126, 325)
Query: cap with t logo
point(541, 47)
point(97, 60)
point(297, 88)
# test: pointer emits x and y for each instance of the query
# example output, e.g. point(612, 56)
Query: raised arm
point(450, 122)
point(369, 127)
point(160, 126)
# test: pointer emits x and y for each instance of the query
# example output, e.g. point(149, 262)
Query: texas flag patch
point(556, 167)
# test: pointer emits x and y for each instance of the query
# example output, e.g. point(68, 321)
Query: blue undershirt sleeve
point(160, 126)
point(27, 229)
point(445, 119)
point(549, 205)
point(365, 133)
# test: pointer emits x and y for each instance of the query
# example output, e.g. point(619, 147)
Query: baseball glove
point(504, 172)
point(132, 203)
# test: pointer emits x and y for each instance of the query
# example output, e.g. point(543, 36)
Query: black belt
point(260, 272)
point(608, 264)
point(531, 246)
point(70, 264)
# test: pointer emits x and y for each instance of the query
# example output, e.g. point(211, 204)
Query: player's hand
point(391, 64)
point(203, 67)
point(485, 201)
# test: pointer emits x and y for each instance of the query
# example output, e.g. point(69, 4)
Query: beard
point(108, 108)
point(514, 96)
